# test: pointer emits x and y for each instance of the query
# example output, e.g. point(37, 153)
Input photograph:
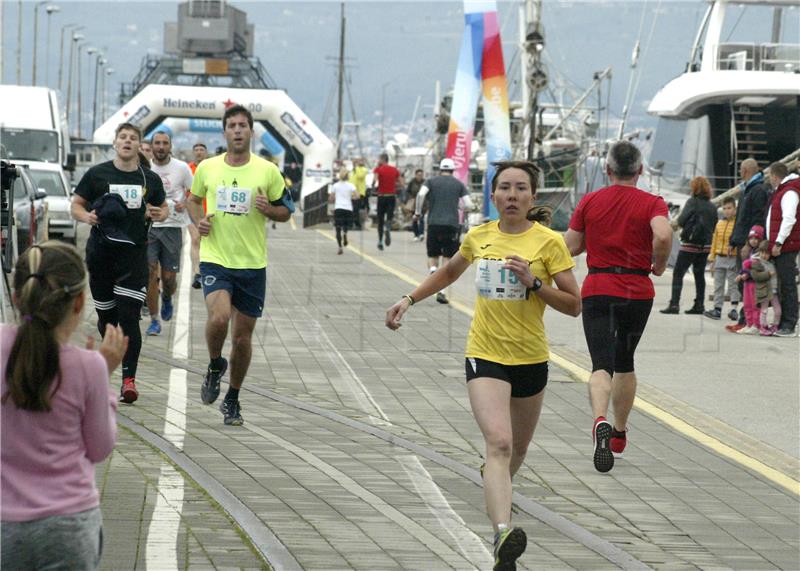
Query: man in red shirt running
point(387, 178)
point(626, 235)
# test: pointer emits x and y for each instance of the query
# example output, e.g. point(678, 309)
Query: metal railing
point(758, 57)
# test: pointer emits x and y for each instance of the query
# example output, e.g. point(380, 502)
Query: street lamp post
point(50, 9)
point(109, 71)
point(19, 42)
point(101, 61)
point(36, 38)
point(61, 53)
point(76, 37)
point(89, 51)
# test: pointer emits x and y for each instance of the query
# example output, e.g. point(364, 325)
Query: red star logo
point(319, 165)
point(303, 121)
point(125, 114)
point(228, 104)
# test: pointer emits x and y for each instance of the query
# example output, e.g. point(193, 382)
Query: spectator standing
point(58, 417)
point(763, 273)
point(698, 220)
point(723, 262)
point(783, 232)
point(752, 319)
point(751, 211)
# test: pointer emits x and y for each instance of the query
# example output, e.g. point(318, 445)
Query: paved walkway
point(359, 450)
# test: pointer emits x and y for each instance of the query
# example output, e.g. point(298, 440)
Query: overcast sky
point(406, 46)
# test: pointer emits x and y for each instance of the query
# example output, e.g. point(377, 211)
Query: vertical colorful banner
point(466, 93)
point(495, 106)
point(480, 63)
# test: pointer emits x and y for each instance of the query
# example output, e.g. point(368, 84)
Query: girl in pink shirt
point(57, 417)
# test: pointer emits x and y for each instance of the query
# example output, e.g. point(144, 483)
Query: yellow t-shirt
point(358, 178)
point(238, 238)
point(511, 331)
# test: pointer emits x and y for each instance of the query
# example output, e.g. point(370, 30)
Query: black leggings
point(386, 205)
point(613, 327)
point(126, 314)
point(697, 261)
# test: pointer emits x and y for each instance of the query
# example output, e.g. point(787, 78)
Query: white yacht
point(734, 101)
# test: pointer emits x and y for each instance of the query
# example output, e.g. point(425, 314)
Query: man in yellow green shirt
point(358, 178)
point(242, 191)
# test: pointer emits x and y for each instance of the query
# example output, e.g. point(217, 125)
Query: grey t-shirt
point(443, 195)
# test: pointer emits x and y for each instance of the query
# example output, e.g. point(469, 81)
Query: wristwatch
point(537, 284)
point(779, 244)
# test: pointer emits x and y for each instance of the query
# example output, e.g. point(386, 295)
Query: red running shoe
point(618, 441)
point(734, 328)
point(128, 393)
point(601, 435)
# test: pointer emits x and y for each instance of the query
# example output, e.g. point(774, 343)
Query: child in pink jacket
point(58, 417)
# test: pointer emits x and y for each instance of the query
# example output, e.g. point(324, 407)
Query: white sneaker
point(749, 330)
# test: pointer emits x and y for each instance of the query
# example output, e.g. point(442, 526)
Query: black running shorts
point(613, 327)
point(442, 241)
point(525, 380)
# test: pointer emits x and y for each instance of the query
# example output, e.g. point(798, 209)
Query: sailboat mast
point(536, 79)
point(340, 109)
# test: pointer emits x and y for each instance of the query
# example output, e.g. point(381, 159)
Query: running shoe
point(166, 308)
point(715, 313)
point(387, 237)
point(380, 246)
point(232, 412)
point(735, 327)
point(619, 438)
point(210, 389)
point(441, 298)
point(603, 457)
point(748, 330)
point(196, 282)
point(733, 315)
point(128, 393)
point(155, 328)
point(509, 544)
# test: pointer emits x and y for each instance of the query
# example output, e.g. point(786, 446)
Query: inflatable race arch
point(273, 108)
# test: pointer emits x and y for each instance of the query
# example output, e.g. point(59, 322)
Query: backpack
point(695, 231)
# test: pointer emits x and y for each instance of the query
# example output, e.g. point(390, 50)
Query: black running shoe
point(210, 389)
point(603, 457)
point(196, 282)
point(441, 298)
point(508, 546)
point(232, 412)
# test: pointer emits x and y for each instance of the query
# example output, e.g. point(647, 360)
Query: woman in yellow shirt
point(518, 259)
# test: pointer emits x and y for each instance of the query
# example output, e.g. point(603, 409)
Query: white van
point(33, 133)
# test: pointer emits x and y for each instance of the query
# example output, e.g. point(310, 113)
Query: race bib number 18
point(130, 193)
point(496, 282)
point(233, 200)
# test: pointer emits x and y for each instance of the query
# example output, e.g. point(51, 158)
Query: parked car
point(51, 179)
point(30, 212)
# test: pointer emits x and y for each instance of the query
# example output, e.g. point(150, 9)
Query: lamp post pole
point(76, 37)
point(109, 71)
point(99, 63)
point(64, 28)
point(19, 42)
point(50, 10)
point(36, 38)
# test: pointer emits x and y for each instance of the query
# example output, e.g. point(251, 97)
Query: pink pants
point(751, 310)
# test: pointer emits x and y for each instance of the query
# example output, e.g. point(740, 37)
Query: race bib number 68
point(233, 200)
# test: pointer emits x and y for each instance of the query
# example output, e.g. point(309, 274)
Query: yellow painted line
point(581, 374)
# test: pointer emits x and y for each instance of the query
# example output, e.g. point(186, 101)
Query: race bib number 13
point(496, 282)
point(130, 193)
point(233, 200)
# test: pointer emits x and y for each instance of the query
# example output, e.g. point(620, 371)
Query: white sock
point(433, 269)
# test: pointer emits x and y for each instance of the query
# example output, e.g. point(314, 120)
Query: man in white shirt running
point(165, 239)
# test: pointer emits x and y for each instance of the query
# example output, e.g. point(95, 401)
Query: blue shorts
point(247, 288)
